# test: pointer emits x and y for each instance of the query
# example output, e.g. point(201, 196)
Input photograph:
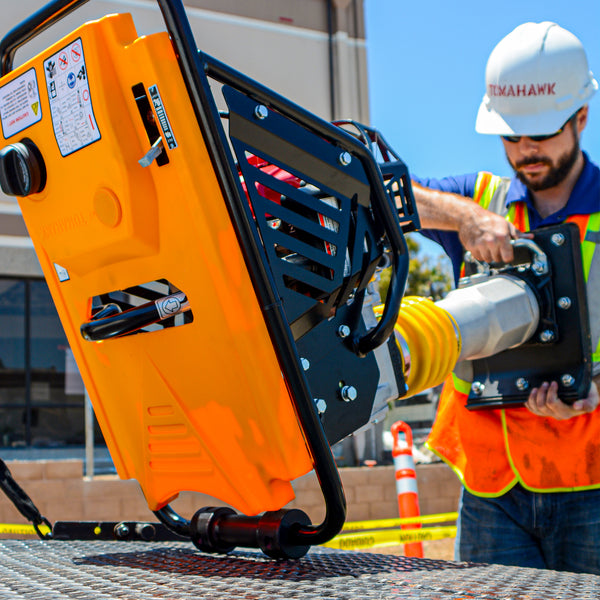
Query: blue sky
point(426, 64)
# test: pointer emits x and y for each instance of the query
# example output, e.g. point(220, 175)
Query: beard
point(557, 173)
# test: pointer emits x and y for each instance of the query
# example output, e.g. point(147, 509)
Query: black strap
point(22, 501)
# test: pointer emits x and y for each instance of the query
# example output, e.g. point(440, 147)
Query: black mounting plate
point(509, 376)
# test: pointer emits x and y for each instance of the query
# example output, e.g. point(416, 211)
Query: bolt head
point(564, 302)
point(261, 111)
point(321, 405)
point(547, 336)
point(349, 393)
point(345, 159)
point(305, 363)
point(477, 388)
point(558, 239)
point(343, 331)
point(121, 530)
point(537, 268)
point(567, 380)
point(522, 384)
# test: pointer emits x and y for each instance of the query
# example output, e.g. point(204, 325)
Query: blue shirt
point(584, 199)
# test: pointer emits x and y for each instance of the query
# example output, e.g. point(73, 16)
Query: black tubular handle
point(111, 322)
point(32, 26)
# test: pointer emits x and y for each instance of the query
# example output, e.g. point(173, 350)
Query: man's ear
point(582, 118)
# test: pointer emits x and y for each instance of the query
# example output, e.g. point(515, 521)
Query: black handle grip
point(33, 26)
point(106, 324)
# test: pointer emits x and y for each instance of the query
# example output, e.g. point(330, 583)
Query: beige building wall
point(311, 51)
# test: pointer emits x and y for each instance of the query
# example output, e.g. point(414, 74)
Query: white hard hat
point(536, 78)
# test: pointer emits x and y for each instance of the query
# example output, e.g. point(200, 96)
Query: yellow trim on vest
point(519, 219)
point(460, 385)
point(588, 248)
point(485, 186)
point(527, 227)
point(512, 211)
point(481, 183)
point(461, 477)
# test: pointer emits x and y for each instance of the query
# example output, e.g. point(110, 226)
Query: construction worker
point(531, 475)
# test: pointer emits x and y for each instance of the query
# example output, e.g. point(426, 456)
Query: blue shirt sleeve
point(448, 240)
point(462, 184)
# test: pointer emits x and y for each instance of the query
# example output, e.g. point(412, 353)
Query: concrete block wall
point(60, 491)
point(371, 492)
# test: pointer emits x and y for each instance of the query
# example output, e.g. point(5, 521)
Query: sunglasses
point(537, 138)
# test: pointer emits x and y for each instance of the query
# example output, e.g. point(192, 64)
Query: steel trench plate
point(172, 570)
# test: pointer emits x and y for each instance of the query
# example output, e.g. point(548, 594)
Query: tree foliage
point(427, 276)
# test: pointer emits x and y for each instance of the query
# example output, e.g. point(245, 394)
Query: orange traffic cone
point(406, 483)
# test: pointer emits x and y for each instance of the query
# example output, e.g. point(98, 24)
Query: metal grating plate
point(173, 571)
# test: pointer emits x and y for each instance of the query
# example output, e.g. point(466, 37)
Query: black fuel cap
point(22, 169)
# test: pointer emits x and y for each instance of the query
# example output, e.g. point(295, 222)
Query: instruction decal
point(20, 104)
point(162, 116)
point(71, 109)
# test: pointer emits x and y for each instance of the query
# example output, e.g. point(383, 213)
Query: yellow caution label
point(372, 539)
point(15, 529)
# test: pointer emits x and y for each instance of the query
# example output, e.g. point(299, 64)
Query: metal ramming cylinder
point(494, 315)
point(471, 322)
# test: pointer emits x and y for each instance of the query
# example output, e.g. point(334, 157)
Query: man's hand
point(544, 402)
point(487, 235)
point(483, 233)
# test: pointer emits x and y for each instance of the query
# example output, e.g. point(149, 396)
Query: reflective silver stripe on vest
point(592, 236)
point(498, 202)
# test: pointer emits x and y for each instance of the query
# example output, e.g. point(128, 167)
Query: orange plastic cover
point(202, 406)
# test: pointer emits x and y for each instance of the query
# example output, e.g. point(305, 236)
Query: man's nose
point(528, 146)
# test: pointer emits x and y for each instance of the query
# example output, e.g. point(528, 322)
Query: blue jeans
point(557, 530)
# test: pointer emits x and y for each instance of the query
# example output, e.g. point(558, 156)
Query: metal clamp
point(539, 260)
point(539, 264)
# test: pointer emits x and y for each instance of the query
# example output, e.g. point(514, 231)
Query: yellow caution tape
point(383, 523)
point(14, 529)
point(372, 539)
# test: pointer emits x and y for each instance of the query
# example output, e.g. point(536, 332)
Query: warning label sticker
point(20, 104)
point(68, 89)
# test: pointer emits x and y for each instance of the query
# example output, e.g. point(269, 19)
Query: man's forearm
point(485, 234)
point(442, 210)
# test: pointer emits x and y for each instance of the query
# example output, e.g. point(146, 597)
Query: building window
point(41, 392)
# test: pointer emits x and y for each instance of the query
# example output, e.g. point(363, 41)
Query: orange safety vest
point(491, 450)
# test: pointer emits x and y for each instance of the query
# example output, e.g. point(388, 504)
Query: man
point(531, 475)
